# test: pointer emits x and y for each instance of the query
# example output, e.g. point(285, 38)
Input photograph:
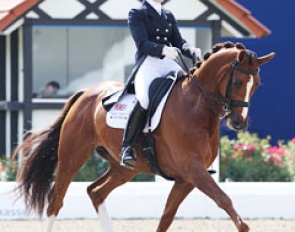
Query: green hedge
point(96, 166)
point(250, 158)
point(246, 158)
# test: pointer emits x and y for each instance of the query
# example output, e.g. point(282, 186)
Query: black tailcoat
point(152, 31)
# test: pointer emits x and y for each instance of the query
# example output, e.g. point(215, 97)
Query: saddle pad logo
point(120, 107)
point(118, 116)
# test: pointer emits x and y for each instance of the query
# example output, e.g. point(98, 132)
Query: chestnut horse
point(187, 138)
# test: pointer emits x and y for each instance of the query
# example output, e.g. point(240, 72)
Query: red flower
point(275, 160)
point(238, 147)
point(244, 149)
point(275, 150)
point(249, 148)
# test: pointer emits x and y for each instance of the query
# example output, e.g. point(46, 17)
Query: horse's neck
point(197, 106)
point(208, 79)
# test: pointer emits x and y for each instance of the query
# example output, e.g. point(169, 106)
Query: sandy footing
point(196, 225)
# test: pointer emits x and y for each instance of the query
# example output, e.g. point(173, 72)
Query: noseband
point(226, 103)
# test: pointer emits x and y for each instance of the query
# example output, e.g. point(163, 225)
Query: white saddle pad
point(118, 115)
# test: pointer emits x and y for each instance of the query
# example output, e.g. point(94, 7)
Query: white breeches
point(150, 69)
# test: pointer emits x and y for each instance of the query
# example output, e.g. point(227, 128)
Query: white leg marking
point(49, 223)
point(105, 221)
point(247, 96)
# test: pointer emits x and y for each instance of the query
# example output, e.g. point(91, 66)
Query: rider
point(158, 41)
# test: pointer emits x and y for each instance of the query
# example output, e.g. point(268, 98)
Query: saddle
point(157, 91)
point(120, 104)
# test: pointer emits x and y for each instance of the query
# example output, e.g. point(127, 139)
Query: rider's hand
point(196, 52)
point(170, 52)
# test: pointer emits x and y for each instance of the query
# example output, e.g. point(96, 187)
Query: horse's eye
point(237, 83)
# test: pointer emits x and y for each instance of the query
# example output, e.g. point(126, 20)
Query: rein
point(226, 103)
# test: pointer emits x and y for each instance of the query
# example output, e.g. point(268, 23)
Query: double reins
point(226, 103)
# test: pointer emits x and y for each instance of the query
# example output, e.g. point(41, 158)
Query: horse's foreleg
point(204, 182)
point(178, 193)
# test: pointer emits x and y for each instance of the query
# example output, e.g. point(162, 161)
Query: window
point(69, 58)
point(79, 57)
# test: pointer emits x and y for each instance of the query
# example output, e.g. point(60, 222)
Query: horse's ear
point(264, 59)
point(242, 56)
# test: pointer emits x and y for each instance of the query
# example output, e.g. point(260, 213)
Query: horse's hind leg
point(178, 193)
point(115, 176)
point(204, 182)
point(71, 156)
point(65, 173)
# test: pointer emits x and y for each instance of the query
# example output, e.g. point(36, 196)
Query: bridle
point(226, 103)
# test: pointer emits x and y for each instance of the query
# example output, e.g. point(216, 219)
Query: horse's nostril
point(238, 125)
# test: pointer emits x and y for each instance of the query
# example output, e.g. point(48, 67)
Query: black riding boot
point(134, 126)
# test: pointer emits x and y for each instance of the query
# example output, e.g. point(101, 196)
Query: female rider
point(158, 40)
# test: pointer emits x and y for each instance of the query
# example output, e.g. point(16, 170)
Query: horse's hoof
point(244, 227)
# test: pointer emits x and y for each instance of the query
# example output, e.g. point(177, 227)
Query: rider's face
point(159, 1)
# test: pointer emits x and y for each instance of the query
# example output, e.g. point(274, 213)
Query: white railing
point(147, 200)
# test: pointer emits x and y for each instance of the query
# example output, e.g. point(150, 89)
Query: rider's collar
point(156, 5)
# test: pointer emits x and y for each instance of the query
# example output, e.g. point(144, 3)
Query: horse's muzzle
point(235, 122)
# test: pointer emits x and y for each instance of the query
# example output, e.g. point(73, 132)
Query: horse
point(187, 138)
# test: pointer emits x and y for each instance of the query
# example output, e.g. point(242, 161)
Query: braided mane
point(219, 46)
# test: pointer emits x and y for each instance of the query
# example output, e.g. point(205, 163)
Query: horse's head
point(237, 72)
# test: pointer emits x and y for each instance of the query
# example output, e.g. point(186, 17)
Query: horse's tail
point(39, 160)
